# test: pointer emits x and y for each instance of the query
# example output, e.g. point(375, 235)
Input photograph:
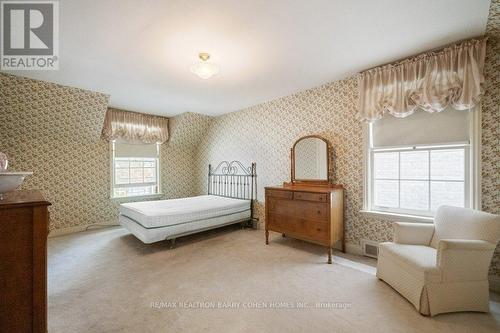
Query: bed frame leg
point(172, 243)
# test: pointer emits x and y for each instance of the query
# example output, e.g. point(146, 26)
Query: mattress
point(164, 213)
point(152, 235)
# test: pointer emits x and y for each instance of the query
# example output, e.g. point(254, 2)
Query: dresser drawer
point(300, 209)
point(311, 210)
point(319, 231)
point(321, 197)
point(299, 227)
point(280, 206)
point(279, 194)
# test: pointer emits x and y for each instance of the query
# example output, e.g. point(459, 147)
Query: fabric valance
point(134, 127)
point(431, 81)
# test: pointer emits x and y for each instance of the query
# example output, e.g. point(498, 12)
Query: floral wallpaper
point(265, 133)
point(55, 130)
point(491, 123)
point(178, 155)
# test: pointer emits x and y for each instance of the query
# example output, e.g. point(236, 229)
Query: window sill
point(139, 197)
point(398, 217)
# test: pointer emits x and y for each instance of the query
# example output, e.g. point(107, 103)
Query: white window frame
point(472, 172)
point(114, 185)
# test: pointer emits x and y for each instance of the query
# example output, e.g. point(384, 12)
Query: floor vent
point(370, 248)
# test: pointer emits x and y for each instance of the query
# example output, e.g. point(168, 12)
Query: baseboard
point(353, 248)
point(66, 231)
point(494, 283)
point(77, 228)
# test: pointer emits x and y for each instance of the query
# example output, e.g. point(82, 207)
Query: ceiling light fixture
point(204, 69)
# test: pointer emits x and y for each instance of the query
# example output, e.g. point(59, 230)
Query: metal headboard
point(233, 180)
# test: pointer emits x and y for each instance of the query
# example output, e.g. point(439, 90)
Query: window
point(419, 180)
point(418, 163)
point(135, 170)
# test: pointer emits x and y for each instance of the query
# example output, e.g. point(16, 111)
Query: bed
point(231, 190)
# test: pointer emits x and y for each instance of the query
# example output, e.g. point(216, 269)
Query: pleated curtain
point(433, 81)
point(133, 127)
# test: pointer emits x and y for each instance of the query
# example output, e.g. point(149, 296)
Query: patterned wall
point(265, 133)
point(178, 164)
point(54, 131)
point(491, 122)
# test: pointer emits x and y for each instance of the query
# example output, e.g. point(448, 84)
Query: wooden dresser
point(23, 262)
point(310, 213)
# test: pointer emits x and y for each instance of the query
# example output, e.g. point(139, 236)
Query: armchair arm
point(413, 233)
point(464, 259)
point(465, 244)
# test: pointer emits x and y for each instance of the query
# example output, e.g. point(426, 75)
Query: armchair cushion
point(418, 259)
point(413, 233)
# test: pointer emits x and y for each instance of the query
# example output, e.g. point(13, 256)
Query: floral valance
point(134, 127)
point(431, 81)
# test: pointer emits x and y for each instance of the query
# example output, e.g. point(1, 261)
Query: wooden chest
point(310, 213)
point(23, 262)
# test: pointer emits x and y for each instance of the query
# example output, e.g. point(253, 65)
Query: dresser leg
point(267, 237)
point(329, 254)
point(283, 235)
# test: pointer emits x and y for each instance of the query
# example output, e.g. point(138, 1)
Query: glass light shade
point(204, 69)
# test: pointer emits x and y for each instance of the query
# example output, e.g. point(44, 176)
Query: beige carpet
point(227, 281)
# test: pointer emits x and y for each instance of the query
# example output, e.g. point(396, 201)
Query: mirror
point(310, 160)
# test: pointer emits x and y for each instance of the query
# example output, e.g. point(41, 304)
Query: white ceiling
point(139, 52)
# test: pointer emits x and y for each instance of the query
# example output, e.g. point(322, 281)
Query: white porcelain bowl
point(9, 181)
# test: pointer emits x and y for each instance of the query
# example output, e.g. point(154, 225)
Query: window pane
point(415, 195)
point(134, 191)
point(135, 164)
point(386, 165)
point(415, 165)
point(121, 176)
point(447, 193)
point(120, 192)
point(135, 170)
point(447, 164)
point(149, 175)
point(140, 190)
point(121, 164)
point(136, 176)
point(386, 193)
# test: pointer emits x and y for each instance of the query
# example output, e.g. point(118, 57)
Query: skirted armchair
point(442, 267)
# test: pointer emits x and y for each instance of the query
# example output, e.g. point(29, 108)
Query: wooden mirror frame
point(307, 182)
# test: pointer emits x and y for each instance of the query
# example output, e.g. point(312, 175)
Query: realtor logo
point(29, 35)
